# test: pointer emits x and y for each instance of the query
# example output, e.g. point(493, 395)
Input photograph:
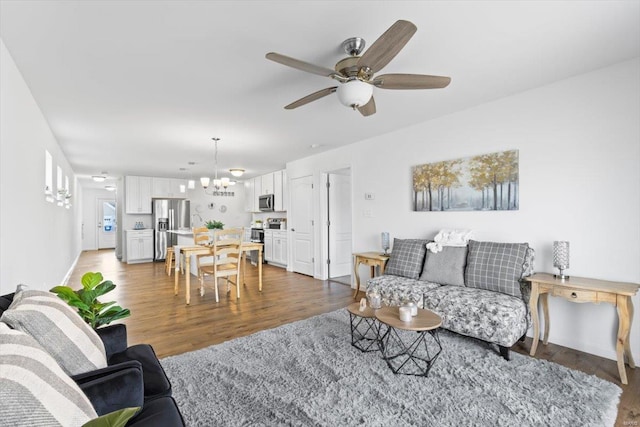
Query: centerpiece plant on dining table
point(214, 225)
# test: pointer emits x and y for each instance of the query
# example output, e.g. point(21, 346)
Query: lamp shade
point(224, 182)
point(561, 254)
point(205, 181)
point(354, 93)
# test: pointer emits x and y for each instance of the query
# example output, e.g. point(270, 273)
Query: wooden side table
point(372, 259)
point(580, 289)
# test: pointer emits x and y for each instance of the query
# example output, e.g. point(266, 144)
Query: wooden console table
point(372, 259)
point(580, 289)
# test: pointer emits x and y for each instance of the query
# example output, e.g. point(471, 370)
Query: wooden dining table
point(188, 251)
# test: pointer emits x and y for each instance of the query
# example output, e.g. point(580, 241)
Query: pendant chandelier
point(217, 183)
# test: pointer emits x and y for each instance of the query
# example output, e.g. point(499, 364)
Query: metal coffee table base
point(364, 333)
point(416, 358)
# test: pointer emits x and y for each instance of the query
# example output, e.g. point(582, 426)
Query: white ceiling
point(141, 87)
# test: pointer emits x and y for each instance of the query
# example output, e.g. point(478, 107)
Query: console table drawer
point(577, 295)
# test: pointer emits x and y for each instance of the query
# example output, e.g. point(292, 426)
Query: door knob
point(293, 229)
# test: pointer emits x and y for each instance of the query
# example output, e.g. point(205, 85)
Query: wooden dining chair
point(226, 252)
point(201, 235)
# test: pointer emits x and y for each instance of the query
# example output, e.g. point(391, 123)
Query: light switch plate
point(369, 196)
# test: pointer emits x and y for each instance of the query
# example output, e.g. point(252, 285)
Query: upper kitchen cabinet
point(272, 183)
point(257, 192)
point(164, 188)
point(279, 190)
point(267, 184)
point(137, 195)
point(249, 198)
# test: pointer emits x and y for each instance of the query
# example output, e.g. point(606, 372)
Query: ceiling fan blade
point(410, 81)
point(300, 65)
point(383, 50)
point(369, 108)
point(310, 98)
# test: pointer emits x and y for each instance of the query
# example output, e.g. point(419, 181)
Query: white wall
point(39, 241)
point(235, 216)
point(579, 142)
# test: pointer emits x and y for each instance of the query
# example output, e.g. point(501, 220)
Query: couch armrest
point(114, 387)
point(114, 338)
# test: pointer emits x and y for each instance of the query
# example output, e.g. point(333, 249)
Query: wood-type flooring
point(163, 320)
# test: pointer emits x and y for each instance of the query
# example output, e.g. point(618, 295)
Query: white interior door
point(339, 224)
point(106, 223)
point(301, 225)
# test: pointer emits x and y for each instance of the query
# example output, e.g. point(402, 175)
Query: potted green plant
point(92, 311)
point(214, 225)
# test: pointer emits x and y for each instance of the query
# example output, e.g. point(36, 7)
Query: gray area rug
point(307, 374)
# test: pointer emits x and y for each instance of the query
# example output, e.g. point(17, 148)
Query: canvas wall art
point(488, 182)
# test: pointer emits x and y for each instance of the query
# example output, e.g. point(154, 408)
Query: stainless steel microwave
point(265, 203)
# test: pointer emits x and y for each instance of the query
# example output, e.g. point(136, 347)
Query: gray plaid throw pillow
point(496, 266)
point(407, 258)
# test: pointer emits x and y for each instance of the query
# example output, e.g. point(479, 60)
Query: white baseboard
point(67, 276)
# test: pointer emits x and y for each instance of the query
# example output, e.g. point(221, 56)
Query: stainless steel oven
point(257, 235)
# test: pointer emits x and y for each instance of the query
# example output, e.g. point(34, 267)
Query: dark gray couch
point(133, 378)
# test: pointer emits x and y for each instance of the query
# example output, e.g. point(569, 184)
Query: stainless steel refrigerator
point(168, 214)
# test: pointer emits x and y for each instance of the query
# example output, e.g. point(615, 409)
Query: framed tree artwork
point(488, 182)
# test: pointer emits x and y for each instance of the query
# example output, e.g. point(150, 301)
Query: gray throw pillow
point(59, 329)
point(496, 266)
point(34, 390)
point(445, 267)
point(407, 258)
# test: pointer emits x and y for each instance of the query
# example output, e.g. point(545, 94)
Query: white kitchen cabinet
point(280, 252)
point(137, 195)
point(275, 247)
point(268, 245)
point(257, 192)
point(139, 246)
point(249, 198)
point(167, 188)
point(267, 183)
point(285, 190)
point(277, 192)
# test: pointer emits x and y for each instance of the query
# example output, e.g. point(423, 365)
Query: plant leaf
point(104, 287)
point(90, 280)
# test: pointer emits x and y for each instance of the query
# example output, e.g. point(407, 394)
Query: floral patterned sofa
point(477, 289)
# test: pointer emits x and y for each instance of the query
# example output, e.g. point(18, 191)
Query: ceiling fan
point(355, 73)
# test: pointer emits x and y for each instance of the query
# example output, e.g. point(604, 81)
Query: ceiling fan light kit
point(355, 73)
point(354, 93)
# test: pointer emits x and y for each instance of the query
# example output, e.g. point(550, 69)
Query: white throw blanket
point(449, 238)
